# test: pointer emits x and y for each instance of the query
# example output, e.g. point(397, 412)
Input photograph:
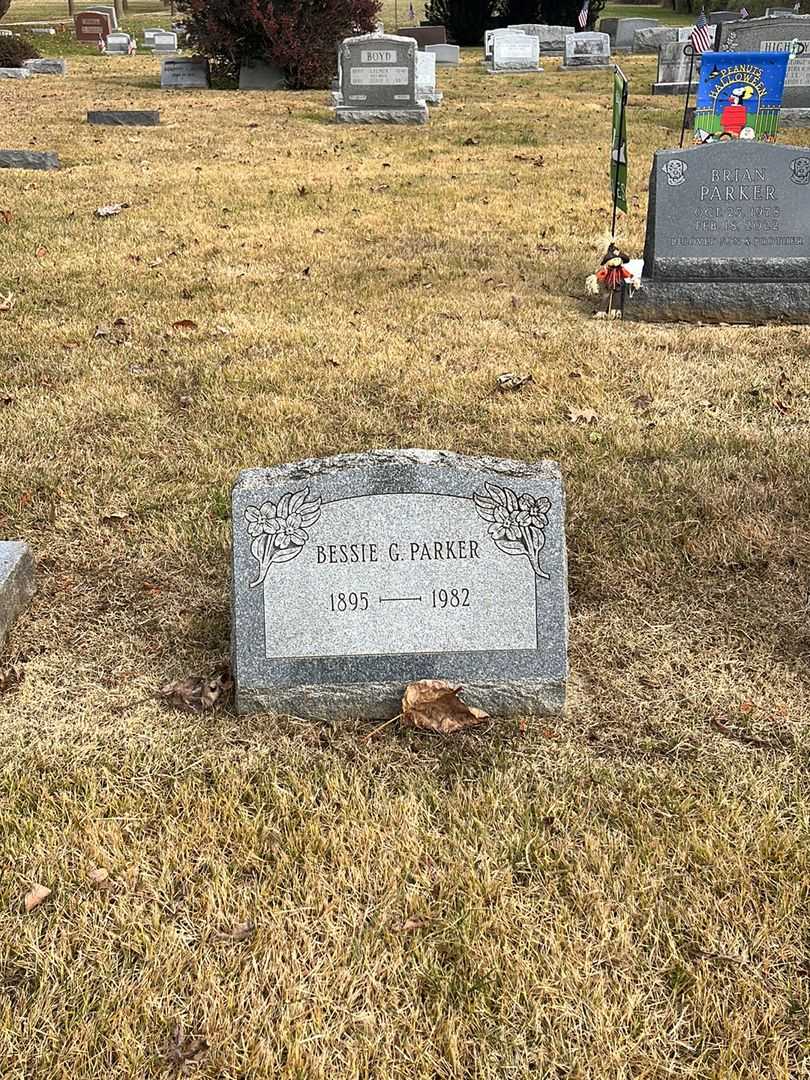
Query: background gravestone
point(426, 79)
point(626, 28)
point(356, 575)
point(728, 235)
point(109, 11)
point(650, 39)
point(445, 54)
point(185, 74)
point(15, 73)
point(586, 51)
point(378, 81)
point(119, 45)
point(514, 53)
point(164, 42)
point(550, 38)
point(424, 35)
point(90, 26)
point(776, 35)
point(673, 70)
point(259, 75)
point(47, 66)
point(41, 160)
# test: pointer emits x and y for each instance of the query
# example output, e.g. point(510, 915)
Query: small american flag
point(797, 7)
point(743, 13)
point(701, 36)
point(582, 18)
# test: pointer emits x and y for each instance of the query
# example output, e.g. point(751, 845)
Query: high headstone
point(626, 28)
point(424, 35)
point(673, 69)
point(259, 75)
point(378, 81)
point(550, 38)
point(164, 43)
point(426, 79)
point(47, 66)
point(356, 575)
point(16, 583)
point(728, 235)
point(445, 54)
point(514, 53)
point(92, 27)
point(776, 34)
point(489, 37)
point(119, 45)
point(586, 51)
point(109, 11)
point(185, 74)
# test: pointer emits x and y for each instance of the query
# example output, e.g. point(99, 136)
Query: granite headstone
point(15, 73)
point(260, 75)
point(92, 26)
point(625, 29)
point(41, 160)
point(378, 81)
point(777, 35)
point(728, 235)
point(424, 35)
point(550, 38)
point(185, 74)
point(16, 583)
point(514, 53)
point(673, 69)
point(445, 54)
point(586, 51)
point(47, 66)
point(119, 44)
point(356, 575)
point(426, 89)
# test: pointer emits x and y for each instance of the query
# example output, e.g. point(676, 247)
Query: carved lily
point(517, 523)
point(279, 529)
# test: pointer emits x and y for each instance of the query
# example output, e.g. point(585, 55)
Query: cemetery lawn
point(621, 893)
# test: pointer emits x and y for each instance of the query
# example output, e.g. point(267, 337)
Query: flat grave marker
point(185, 74)
point(728, 235)
point(47, 66)
point(125, 118)
point(15, 73)
point(42, 160)
point(356, 575)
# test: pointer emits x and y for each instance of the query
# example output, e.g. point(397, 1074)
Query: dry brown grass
point(622, 894)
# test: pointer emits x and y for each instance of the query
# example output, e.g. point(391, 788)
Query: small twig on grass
point(367, 738)
point(743, 736)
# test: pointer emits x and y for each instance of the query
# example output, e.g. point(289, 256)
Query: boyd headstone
point(514, 53)
point(16, 583)
point(728, 235)
point(777, 35)
point(191, 74)
point(378, 81)
point(356, 575)
point(673, 70)
point(586, 51)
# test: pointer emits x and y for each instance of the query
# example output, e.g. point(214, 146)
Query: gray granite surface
point(16, 583)
point(29, 159)
point(355, 575)
point(125, 118)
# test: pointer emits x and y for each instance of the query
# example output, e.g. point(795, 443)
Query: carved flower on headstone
point(279, 529)
point(518, 523)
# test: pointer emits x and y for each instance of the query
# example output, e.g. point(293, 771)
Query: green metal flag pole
point(618, 153)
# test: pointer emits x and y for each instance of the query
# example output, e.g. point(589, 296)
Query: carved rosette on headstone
point(356, 575)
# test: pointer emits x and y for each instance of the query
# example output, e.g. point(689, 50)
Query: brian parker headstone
point(378, 81)
point(356, 575)
point(728, 235)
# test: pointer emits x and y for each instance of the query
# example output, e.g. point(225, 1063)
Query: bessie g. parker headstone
point(356, 575)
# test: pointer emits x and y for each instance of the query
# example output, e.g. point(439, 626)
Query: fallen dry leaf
point(184, 326)
point(184, 1050)
point(5, 217)
point(41, 252)
point(582, 416)
point(434, 705)
point(198, 693)
point(414, 923)
point(241, 932)
point(510, 380)
point(99, 876)
point(642, 403)
point(36, 896)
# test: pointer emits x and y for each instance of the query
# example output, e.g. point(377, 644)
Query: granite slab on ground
point(125, 118)
point(356, 575)
point(29, 159)
point(47, 66)
point(16, 583)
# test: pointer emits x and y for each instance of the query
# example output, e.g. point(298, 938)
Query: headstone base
point(755, 303)
point(513, 71)
point(669, 88)
point(608, 66)
point(382, 701)
point(346, 114)
point(16, 583)
point(46, 67)
point(795, 118)
point(433, 99)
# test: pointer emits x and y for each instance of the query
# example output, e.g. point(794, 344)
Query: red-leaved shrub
point(300, 36)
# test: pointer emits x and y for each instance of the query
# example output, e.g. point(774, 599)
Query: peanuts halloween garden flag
point(740, 95)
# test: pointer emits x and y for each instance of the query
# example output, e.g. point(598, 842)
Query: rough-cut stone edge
point(514, 71)
point(752, 303)
point(14, 73)
point(51, 66)
point(374, 700)
point(125, 117)
point(29, 159)
point(586, 67)
point(16, 583)
point(346, 114)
